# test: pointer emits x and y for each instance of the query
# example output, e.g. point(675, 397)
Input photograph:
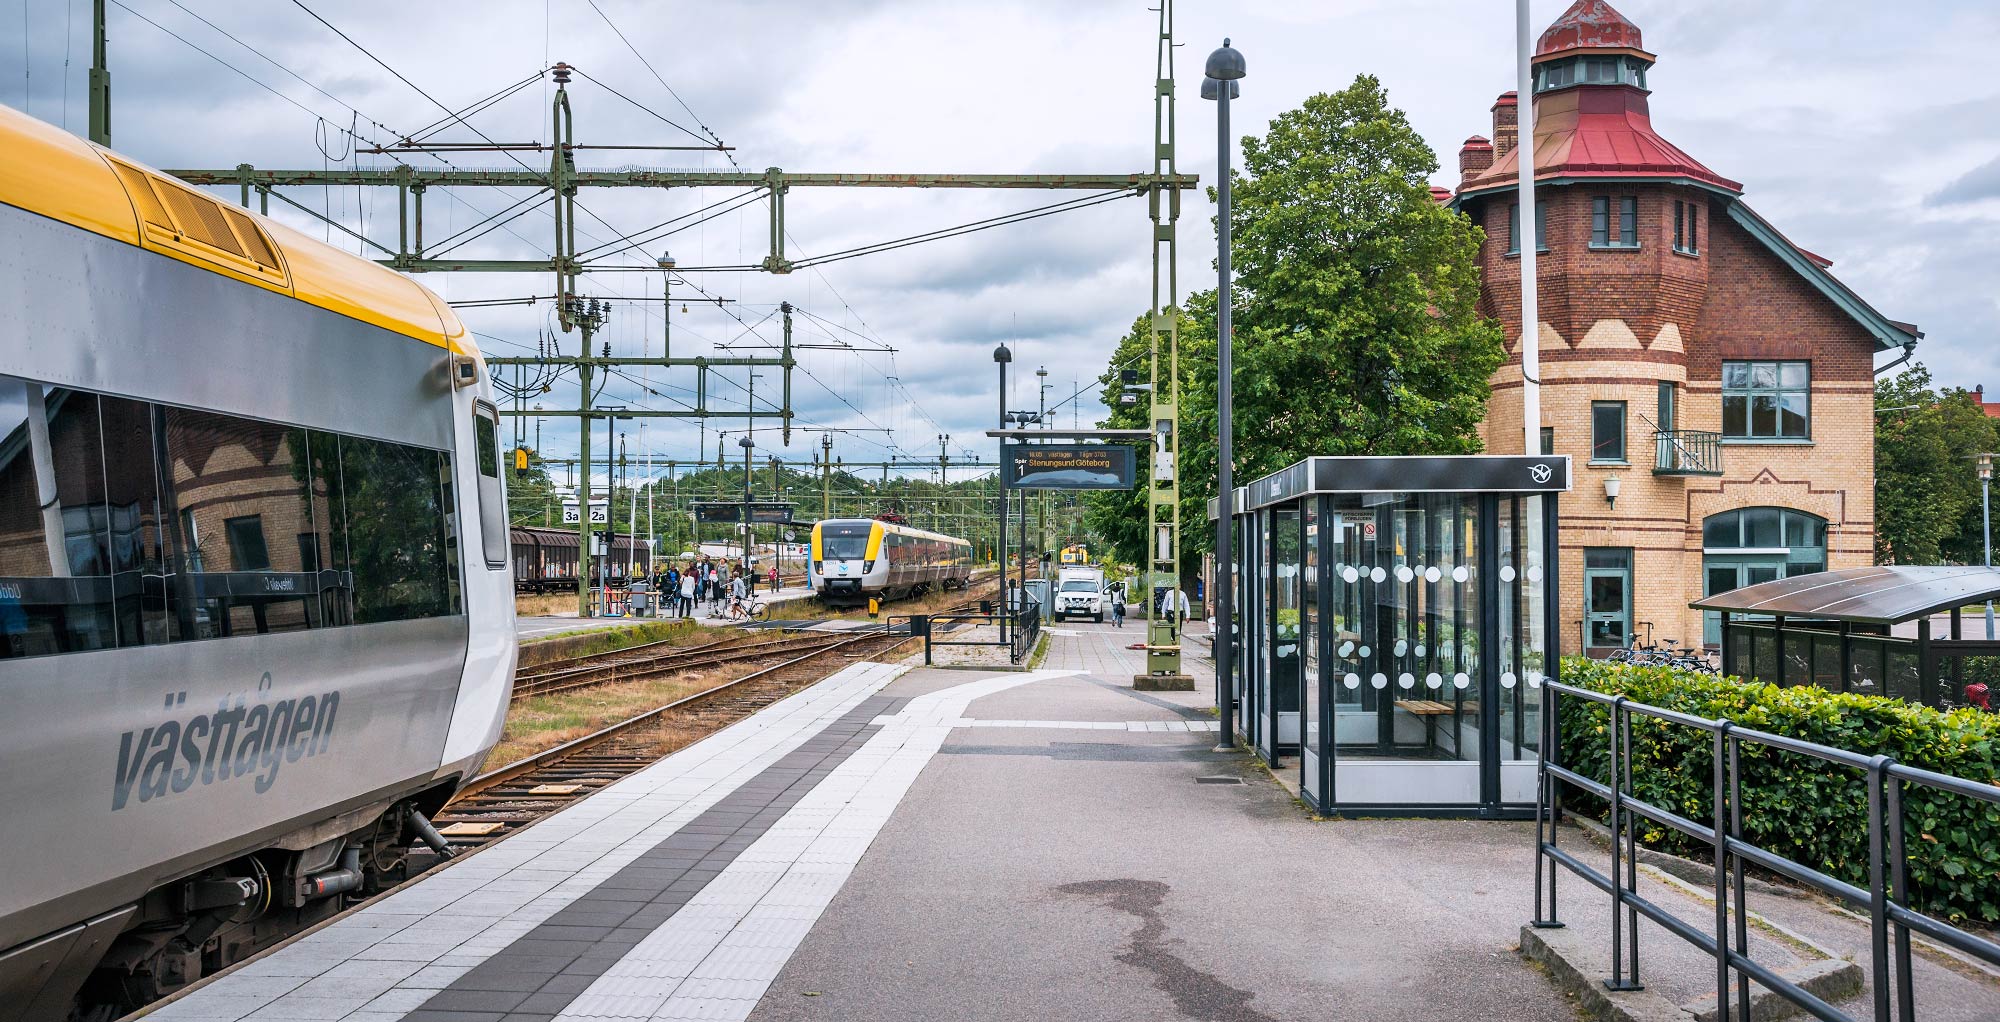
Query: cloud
point(1981, 182)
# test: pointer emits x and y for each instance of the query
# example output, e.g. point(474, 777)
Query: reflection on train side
point(127, 523)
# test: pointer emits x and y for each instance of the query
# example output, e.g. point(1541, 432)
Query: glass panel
point(396, 530)
point(1607, 431)
point(1309, 607)
point(1794, 375)
point(1864, 673)
point(1763, 654)
point(1763, 375)
point(1287, 632)
point(1793, 419)
point(1723, 530)
point(1826, 662)
point(1600, 220)
point(132, 494)
point(1797, 665)
point(492, 500)
point(1764, 415)
point(1905, 682)
point(1761, 528)
point(56, 558)
point(1735, 415)
point(1735, 375)
point(1607, 557)
point(1628, 221)
point(1520, 702)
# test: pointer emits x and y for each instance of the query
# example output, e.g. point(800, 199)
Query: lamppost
point(1218, 83)
point(746, 443)
point(1001, 356)
point(1986, 524)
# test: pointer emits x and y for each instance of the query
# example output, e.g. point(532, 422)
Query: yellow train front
point(855, 560)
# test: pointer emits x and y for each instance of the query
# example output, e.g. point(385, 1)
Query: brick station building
point(1696, 364)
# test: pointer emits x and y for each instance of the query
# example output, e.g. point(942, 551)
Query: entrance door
point(1607, 599)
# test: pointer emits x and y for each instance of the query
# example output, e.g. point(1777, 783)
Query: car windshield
point(1079, 585)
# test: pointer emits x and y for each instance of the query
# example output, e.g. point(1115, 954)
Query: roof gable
point(1887, 332)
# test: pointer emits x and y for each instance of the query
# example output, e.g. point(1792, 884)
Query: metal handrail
point(1883, 899)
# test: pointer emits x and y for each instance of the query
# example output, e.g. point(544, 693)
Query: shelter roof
point(1879, 595)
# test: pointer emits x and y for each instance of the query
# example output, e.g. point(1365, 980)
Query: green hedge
point(1802, 808)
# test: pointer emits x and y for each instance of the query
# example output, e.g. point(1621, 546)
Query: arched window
point(1757, 544)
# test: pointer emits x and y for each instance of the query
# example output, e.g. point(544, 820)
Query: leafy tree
point(1926, 484)
point(1355, 325)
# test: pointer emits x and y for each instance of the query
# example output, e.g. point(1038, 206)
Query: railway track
point(501, 802)
point(634, 663)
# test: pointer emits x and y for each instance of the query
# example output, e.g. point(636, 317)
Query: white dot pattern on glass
point(1420, 650)
point(1377, 575)
point(1534, 573)
point(1434, 680)
point(1506, 573)
point(1460, 680)
point(1379, 680)
point(1349, 574)
point(1460, 574)
point(1406, 679)
point(1507, 680)
point(1432, 574)
point(1365, 652)
point(1534, 679)
point(1352, 680)
point(1347, 647)
point(1402, 646)
point(1403, 573)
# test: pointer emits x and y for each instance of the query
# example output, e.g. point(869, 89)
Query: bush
point(1806, 809)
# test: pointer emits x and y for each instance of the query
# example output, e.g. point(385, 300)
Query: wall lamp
point(1612, 484)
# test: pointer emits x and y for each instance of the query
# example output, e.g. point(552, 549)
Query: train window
point(396, 503)
point(125, 523)
point(230, 480)
point(492, 499)
point(55, 543)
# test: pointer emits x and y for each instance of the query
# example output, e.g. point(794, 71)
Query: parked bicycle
point(1665, 654)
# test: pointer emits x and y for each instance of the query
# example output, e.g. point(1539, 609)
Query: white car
point(1079, 592)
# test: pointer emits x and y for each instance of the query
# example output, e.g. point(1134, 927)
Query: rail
point(1687, 452)
point(1884, 899)
point(1018, 629)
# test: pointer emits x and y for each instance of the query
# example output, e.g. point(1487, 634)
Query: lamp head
point(666, 260)
point(1002, 355)
point(745, 442)
point(1225, 64)
point(1210, 88)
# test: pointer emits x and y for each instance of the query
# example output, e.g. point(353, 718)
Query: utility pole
point(825, 476)
point(1163, 491)
point(100, 79)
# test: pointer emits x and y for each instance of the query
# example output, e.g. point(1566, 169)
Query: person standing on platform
point(1118, 606)
point(1174, 607)
point(774, 578)
point(687, 593)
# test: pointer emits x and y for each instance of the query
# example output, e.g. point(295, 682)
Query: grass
point(544, 722)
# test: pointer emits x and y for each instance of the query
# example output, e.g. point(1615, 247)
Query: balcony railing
point(1687, 452)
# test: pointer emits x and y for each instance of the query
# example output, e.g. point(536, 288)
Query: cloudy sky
point(1864, 131)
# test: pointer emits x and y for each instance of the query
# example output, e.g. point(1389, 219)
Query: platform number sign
point(600, 512)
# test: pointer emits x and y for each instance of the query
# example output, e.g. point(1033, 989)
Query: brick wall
point(1615, 324)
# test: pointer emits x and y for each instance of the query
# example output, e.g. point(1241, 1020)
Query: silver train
point(256, 613)
point(855, 560)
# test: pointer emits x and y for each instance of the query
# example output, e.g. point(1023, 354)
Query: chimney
point(1505, 123)
point(1473, 158)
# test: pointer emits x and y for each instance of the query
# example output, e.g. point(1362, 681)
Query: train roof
point(901, 530)
point(48, 171)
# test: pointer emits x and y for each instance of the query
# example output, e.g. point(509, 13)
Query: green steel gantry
point(1162, 188)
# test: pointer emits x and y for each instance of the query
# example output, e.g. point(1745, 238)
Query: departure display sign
point(731, 512)
point(1068, 466)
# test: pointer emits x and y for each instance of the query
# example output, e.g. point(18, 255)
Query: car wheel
point(1099, 619)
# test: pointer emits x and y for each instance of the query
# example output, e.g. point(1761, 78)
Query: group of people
point(725, 587)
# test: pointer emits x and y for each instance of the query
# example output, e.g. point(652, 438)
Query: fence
point(1884, 899)
point(1026, 627)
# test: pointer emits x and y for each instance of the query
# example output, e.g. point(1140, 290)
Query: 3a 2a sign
point(600, 512)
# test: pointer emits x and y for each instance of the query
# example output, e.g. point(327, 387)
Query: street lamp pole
point(1986, 524)
point(1225, 67)
point(1001, 356)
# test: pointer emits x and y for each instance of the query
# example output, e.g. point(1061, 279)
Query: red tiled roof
point(1599, 131)
point(1441, 196)
point(1589, 25)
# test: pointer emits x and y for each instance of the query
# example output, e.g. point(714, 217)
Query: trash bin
point(640, 596)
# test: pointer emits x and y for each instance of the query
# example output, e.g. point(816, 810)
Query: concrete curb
point(1574, 964)
point(1162, 683)
point(1699, 874)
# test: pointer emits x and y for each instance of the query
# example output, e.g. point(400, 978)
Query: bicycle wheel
point(759, 611)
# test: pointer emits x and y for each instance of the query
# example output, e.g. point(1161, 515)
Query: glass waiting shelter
point(1394, 624)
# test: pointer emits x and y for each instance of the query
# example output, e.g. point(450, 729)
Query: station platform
point(903, 843)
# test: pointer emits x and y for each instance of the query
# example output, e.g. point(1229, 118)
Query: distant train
point(545, 559)
point(1076, 554)
point(855, 560)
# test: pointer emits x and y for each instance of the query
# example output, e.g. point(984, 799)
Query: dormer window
point(1557, 74)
